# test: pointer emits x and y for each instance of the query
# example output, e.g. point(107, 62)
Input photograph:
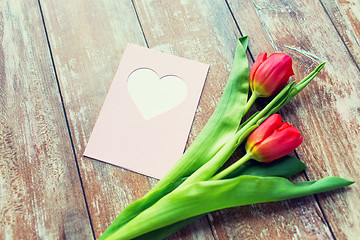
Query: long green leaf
point(140, 205)
point(203, 197)
point(284, 167)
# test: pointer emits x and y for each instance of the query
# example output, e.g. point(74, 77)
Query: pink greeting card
point(146, 118)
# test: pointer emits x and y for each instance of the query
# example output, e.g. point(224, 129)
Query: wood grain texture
point(38, 174)
point(327, 111)
point(345, 16)
point(40, 190)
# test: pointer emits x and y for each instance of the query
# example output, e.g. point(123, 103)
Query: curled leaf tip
point(321, 65)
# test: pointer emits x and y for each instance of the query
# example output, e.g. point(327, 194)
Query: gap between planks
point(66, 119)
point(340, 36)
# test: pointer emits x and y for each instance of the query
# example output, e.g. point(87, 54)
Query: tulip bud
point(269, 75)
point(273, 139)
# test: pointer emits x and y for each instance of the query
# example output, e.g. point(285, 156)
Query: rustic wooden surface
point(58, 58)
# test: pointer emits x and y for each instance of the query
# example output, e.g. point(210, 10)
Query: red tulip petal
point(280, 143)
point(280, 75)
point(259, 60)
point(263, 131)
point(272, 75)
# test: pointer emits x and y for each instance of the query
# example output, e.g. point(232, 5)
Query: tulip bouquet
point(200, 183)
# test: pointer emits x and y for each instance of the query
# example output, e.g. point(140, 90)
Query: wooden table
point(58, 58)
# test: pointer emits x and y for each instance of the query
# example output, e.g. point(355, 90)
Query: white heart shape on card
point(153, 95)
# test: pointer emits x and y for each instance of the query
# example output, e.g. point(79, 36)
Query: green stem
point(206, 171)
point(232, 167)
point(251, 101)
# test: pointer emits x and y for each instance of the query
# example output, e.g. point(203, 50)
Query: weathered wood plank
point(40, 190)
point(213, 41)
point(327, 111)
point(345, 16)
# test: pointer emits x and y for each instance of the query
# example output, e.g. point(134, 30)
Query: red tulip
point(269, 75)
point(273, 139)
